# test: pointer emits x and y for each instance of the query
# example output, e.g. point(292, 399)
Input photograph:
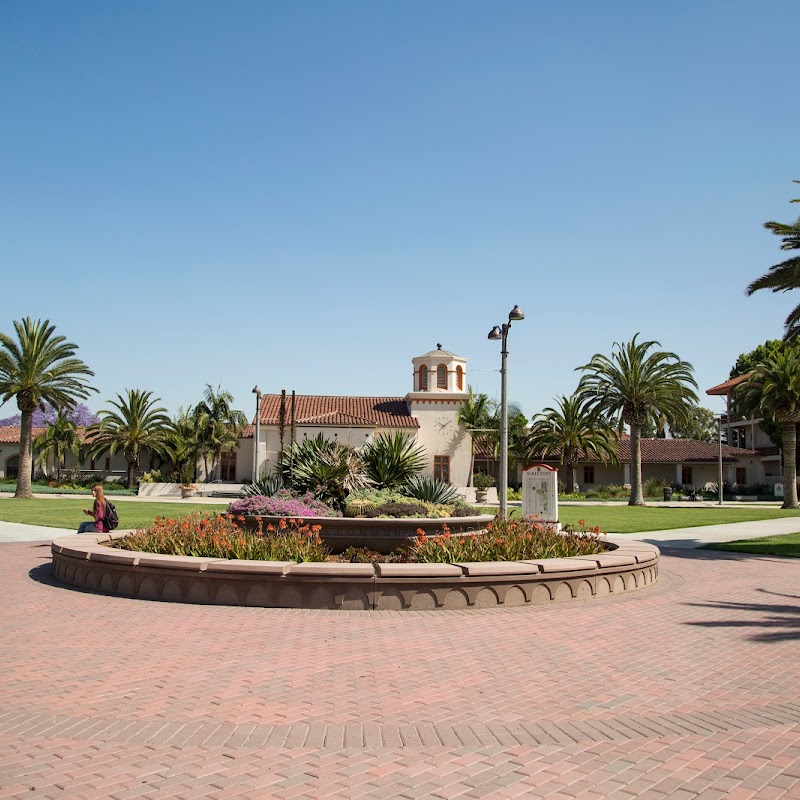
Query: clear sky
point(305, 195)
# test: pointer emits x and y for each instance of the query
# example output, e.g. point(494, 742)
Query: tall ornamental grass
point(221, 537)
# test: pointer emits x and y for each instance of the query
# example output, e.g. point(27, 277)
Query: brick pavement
point(686, 690)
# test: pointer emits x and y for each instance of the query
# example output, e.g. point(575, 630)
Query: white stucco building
point(428, 413)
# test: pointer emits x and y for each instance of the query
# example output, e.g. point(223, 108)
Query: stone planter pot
point(480, 495)
point(382, 535)
point(187, 491)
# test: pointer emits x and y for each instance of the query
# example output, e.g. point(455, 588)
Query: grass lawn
point(66, 513)
point(638, 519)
point(62, 513)
point(787, 546)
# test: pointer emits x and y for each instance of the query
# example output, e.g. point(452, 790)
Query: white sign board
point(540, 493)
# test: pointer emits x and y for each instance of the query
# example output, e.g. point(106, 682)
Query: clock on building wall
point(443, 423)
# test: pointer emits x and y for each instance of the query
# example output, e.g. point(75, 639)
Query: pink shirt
point(99, 514)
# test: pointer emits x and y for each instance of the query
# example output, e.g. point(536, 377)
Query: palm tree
point(59, 439)
point(635, 386)
point(38, 367)
point(773, 388)
point(135, 424)
point(475, 415)
point(784, 276)
point(185, 440)
point(575, 431)
point(219, 425)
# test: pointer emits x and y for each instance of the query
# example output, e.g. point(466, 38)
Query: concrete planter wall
point(86, 562)
point(382, 535)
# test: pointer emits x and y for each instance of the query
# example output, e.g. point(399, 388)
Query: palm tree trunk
point(25, 454)
point(572, 470)
point(789, 438)
point(637, 498)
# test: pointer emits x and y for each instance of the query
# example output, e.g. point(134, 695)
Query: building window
point(423, 378)
point(460, 378)
point(741, 475)
point(227, 466)
point(441, 377)
point(686, 476)
point(108, 463)
point(441, 468)
point(12, 467)
point(92, 464)
point(588, 473)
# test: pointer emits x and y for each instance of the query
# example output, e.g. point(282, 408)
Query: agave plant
point(391, 459)
point(266, 485)
point(423, 487)
point(326, 467)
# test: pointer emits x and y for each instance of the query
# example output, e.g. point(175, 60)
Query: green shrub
point(153, 476)
point(654, 487)
point(482, 481)
point(398, 510)
point(391, 460)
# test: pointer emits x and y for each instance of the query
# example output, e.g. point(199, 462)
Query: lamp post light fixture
point(500, 332)
point(257, 393)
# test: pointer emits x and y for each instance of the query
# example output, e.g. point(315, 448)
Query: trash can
point(668, 493)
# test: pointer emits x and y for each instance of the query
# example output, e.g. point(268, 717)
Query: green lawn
point(638, 519)
point(62, 513)
point(787, 546)
point(66, 513)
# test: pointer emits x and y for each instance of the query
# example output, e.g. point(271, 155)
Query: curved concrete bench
point(87, 562)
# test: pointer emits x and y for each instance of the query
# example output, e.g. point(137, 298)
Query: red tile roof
point(669, 451)
point(724, 388)
point(10, 435)
point(346, 412)
point(682, 451)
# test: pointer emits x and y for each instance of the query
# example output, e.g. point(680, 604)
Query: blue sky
point(306, 195)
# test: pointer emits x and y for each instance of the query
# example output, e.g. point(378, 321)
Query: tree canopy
point(39, 367)
point(784, 276)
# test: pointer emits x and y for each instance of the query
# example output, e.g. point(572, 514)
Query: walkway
point(690, 689)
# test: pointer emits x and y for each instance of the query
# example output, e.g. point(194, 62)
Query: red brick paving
point(686, 690)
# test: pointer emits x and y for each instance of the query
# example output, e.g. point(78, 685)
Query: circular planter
point(87, 562)
point(381, 535)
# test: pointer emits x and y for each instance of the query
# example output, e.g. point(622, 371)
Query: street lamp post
point(719, 445)
point(257, 393)
point(501, 332)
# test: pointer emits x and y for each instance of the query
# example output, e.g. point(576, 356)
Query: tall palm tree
point(185, 440)
point(219, 425)
point(773, 388)
point(784, 276)
point(35, 368)
point(576, 431)
point(635, 386)
point(58, 439)
point(475, 415)
point(135, 424)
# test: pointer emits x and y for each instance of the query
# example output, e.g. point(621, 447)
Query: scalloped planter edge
point(85, 561)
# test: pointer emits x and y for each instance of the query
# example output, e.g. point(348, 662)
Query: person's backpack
point(110, 519)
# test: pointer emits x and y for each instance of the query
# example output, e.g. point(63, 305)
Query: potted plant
point(482, 482)
point(188, 488)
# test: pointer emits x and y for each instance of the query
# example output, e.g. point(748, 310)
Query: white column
point(679, 473)
point(626, 473)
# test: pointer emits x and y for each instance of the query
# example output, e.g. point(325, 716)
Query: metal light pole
point(501, 332)
point(257, 393)
point(719, 443)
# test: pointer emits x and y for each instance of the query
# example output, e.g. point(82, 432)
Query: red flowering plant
point(506, 540)
point(219, 536)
